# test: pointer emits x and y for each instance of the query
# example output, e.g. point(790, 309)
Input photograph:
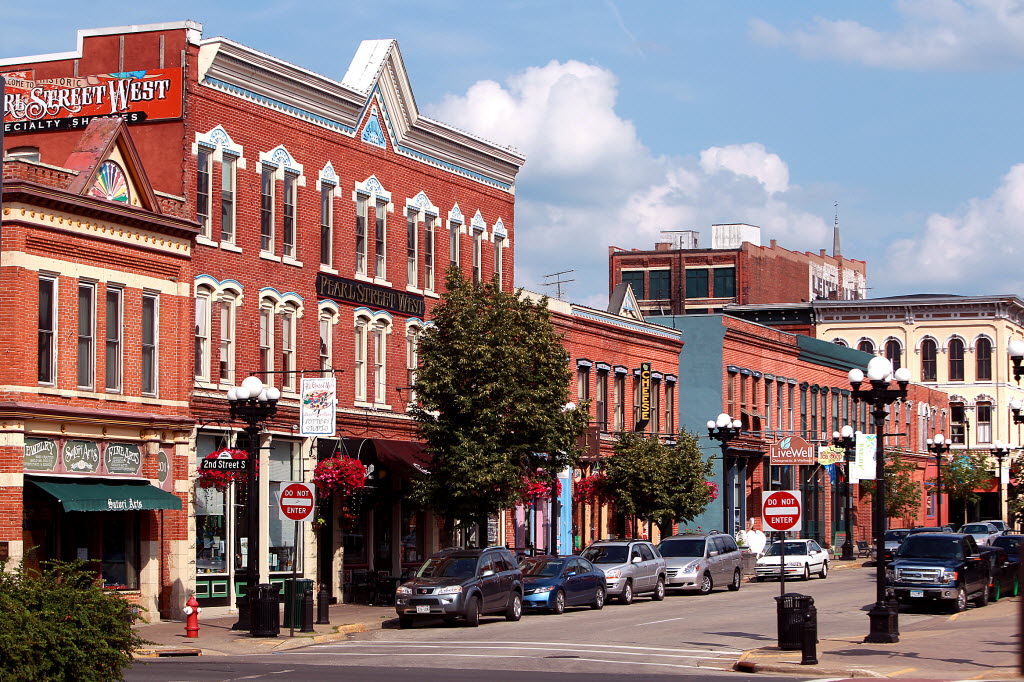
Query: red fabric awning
point(402, 455)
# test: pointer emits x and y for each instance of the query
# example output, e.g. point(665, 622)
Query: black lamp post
point(884, 616)
point(938, 446)
point(846, 440)
point(1000, 451)
point(725, 429)
point(254, 404)
point(1015, 349)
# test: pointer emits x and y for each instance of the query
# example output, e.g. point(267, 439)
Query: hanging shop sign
point(163, 467)
point(645, 397)
point(318, 409)
point(791, 450)
point(863, 465)
point(40, 454)
point(122, 458)
point(371, 295)
point(71, 102)
point(830, 454)
point(81, 456)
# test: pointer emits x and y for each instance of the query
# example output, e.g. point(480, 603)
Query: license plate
point(917, 593)
point(422, 609)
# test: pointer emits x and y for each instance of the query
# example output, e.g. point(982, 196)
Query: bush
point(60, 624)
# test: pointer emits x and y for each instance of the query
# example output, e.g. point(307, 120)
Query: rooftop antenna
point(835, 234)
point(558, 282)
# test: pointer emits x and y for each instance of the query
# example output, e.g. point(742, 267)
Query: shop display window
point(283, 548)
point(412, 535)
point(211, 531)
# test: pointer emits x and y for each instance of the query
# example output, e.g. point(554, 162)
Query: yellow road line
point(901, 671)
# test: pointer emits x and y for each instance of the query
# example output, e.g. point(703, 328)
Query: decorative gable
point(109, 167)
point(623, 302)
point(373, 133)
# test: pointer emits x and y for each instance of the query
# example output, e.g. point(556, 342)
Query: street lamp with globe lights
point(879, 394)
point(847, 440)
point(1000, 451)
point(1015, 349)
point(254, 404)
point(725, 429)
point(1016, 405)
point(938, 446)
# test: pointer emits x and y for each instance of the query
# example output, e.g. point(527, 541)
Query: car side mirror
point(486, 572)
point(636, 560)
point(713, 552)
point(570, 574)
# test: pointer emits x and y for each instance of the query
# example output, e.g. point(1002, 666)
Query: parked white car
point(803, 558)
point(983, 533)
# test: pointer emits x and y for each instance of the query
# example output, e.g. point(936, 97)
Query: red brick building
point(684, 279)
point(780, 384)
point(95, 462)
point(329, 211)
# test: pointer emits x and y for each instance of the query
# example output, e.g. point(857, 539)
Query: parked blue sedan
point(553, 582)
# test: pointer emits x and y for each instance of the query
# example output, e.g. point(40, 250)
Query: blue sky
point(641, 116)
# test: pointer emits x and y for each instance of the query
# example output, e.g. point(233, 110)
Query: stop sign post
point(297, 502)
point(781, 511)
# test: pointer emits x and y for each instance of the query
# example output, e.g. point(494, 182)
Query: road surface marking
point(550, 647)
point(655, 622)
point(587, 644)
point(493, 656)
point(901, 671)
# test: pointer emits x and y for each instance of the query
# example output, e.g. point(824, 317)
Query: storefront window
point(120, 564)
point(412, 535)
point(211, 531)
point(240, 512)
point(284, 469)
point(355, 542)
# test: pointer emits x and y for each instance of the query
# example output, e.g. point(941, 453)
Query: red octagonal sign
point(298, 501)
point(781, 509)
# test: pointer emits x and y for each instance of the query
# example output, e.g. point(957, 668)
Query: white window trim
point(327, 311)
point(92, 360)
point(457, 221)
point(228, 294)
point(290, 378)
point(375, 193)
point(424, 212)
point(120, 339)
point(232, 161)
point(55, 332)
point(219, 143)
point(204, 292)
point(155, 296)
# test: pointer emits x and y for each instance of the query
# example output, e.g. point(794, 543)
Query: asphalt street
point(685, 635)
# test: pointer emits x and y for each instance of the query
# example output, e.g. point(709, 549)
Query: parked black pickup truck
point(940, 566)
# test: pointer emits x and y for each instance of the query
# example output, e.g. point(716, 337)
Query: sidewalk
point(217, 638)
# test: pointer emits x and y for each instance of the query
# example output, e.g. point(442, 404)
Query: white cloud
point(974, 249)
point(934, 34)
point(589, 181)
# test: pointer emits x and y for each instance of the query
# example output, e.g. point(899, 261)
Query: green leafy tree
point(492, 386)
point(902, 493)
point(965, 472)
point(656, 482)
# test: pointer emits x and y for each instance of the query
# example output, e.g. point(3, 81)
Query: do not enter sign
point(781, 509)
point(298, 501)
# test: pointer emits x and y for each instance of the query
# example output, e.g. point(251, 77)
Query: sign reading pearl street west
point(353, 291)
point(223, 462)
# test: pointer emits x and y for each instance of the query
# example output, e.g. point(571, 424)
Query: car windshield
point(791, 548)
point(976, 528)
point(1009, 544)
point(937, 547)
point(687, 547)
point(447, 567)
point(606, 554)
point(544, 568)
point(896, 535)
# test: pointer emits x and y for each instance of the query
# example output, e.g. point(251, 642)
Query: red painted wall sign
point(781, 509)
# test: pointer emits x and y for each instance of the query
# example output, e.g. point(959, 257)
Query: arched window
point(840, 342)
point(201, 351)
point(362, 323)
point(894, 353)
point(866, 345)
point(956, 360)
point(929, 351)
point(412, 359)
point(983, 360)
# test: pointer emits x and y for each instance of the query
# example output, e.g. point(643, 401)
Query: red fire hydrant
point(192, 617)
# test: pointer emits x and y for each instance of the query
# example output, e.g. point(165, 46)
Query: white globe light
point(736, 423)
point(711, 424)
point(835, 434)
point(902, 374)
point(242, 393)
point(273, 393)
point(1015, 348)
point(879, 369)
point(939, 438)
point(262, 397)
point(568, 407)
point(232, 393)
point(724, 419)
point(855, 376)
point(253, 385)
point(1016, 404)
point(929, 442)
point(847, 431)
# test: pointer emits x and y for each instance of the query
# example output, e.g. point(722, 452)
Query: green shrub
point(60, 624)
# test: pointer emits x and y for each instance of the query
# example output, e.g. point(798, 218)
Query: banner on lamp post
point(863, 465)
point(318, 407)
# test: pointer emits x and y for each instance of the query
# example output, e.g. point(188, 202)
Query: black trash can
point(294, 592)
point(792, 610)
point(264, 612)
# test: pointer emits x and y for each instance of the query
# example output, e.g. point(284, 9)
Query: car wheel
point(706, 585)
point(558, 605)
point(737, 580)
point(473, 612)
point(758, 579)
point(807, 572)
point(960, 604)
point(627, 593)
point(515, 608)
point(659, 590)
point(404, 622)
point(982, 598)
point(823, 573)
point(598, 602)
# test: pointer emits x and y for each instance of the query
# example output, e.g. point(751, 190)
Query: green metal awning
point(108, 495)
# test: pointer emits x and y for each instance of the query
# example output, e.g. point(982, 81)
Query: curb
point(744, 666)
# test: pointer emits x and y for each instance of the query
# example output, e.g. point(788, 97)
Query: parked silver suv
point(631, 567)
point(700, 562)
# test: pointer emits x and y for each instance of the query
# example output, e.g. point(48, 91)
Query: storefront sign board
point(830, 454)
point(40, 454)
point(162, 467)
point(645, 397)
point(863, 465)
point(81, 456)
point(319, 407)
point(791, 450)
point(122, 458)
point(372, 295)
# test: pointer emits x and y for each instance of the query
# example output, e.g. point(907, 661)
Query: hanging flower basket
point(538, 487)
point(713, 487)
point(590, 489)
point(338, 475)
point(221, 479)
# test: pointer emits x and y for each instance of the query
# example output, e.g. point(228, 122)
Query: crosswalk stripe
point(380, 642)
point(549, 647)
point(493, 656)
